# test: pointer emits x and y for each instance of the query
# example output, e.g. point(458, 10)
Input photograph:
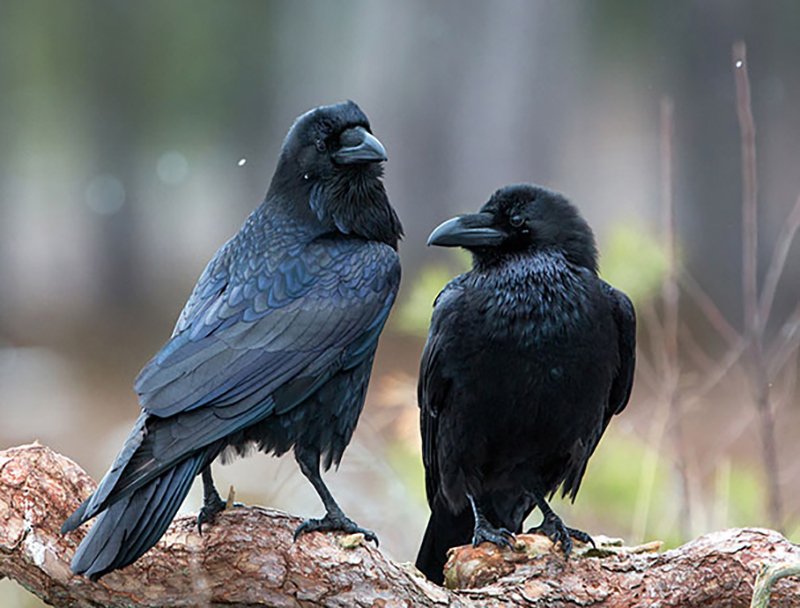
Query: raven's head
point(333, 161)
point(521, 218)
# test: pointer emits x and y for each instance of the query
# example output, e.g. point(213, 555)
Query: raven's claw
point(486, 533)
point(554, 529)
point(208, 512)
point(334, 523)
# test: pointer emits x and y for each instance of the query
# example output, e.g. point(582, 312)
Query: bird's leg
point(335, 519)
point(484, 530)
point(553, 527)
point(212, 502)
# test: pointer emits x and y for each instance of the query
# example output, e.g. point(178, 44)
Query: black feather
point(528, 357)
point(274, 347)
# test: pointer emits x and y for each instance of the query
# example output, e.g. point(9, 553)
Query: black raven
point(274, 347)
point(529, 355)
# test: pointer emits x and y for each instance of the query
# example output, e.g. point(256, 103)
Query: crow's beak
point(359, 146)
point(473, 230)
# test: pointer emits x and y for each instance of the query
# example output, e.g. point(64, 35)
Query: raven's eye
point(516, 221)
point(320, 144)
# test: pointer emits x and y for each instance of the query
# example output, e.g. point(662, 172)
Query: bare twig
point(694, 350)
point(645, 371)
point(786, 344)
point(749, 190)
point(649, 466)
point(710, 310)
point(655, 331)
point(715, 376)
point(767, 577)
point(670, 295)
point(754, 327)
point(669, 287)
point(778, 261)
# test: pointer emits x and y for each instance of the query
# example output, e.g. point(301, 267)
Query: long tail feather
point(445, 530)
point(133, 524)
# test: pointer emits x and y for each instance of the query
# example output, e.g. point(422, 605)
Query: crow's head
point(331, 161)
point(521, 218)
point(329, 139)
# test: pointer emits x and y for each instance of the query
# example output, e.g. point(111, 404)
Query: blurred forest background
point(123, 126)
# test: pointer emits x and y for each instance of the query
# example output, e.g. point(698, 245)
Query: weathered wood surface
point(248, 559)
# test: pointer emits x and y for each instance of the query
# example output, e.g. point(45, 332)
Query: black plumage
point(274, 346)
point(529, 356)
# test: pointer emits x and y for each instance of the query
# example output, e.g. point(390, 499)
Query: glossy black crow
point(274, 347)
point(529, 356)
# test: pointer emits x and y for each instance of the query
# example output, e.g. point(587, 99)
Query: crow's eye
point(320, 144)
point(516, 221)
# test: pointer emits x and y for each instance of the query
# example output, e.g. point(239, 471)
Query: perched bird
point(274, 347)
point(529, 356)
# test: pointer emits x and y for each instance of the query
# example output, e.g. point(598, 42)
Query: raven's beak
point(359, 146)
point(473, 230)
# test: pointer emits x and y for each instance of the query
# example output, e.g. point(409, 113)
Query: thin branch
point(694, 350)
point(786, 344)
point(649, 469)
point(767, 577)
point(749, 189)
point(778, 262)
point(655, 331)
point(715, 376)
point(669, 288)
point(710, 310)
point(671, 295)
point(753, 323)
point(645, 372)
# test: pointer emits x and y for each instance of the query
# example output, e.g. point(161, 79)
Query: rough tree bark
point(248, 559)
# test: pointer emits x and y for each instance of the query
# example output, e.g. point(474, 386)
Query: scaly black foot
point(212, 502)
point(486, 533)
point(554, 529)
point(337, 522)
point(208, 512)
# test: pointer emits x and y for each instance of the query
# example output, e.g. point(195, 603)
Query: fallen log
point(248, 558)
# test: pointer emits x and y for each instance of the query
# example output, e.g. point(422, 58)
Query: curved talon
point(566, 544)
point(370, 535)
point(205, 516)
point(554, 529)
point(208, 513)
point(301, 529)
point(500, 537)
point(334, 524)
point(581, 536)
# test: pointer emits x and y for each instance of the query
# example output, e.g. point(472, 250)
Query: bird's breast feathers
point(530, 297)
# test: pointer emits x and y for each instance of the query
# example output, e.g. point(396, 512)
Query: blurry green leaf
point(414, 313)
point(746, 499)
point(634, 261)
point(611, 487)
point(407, 462)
